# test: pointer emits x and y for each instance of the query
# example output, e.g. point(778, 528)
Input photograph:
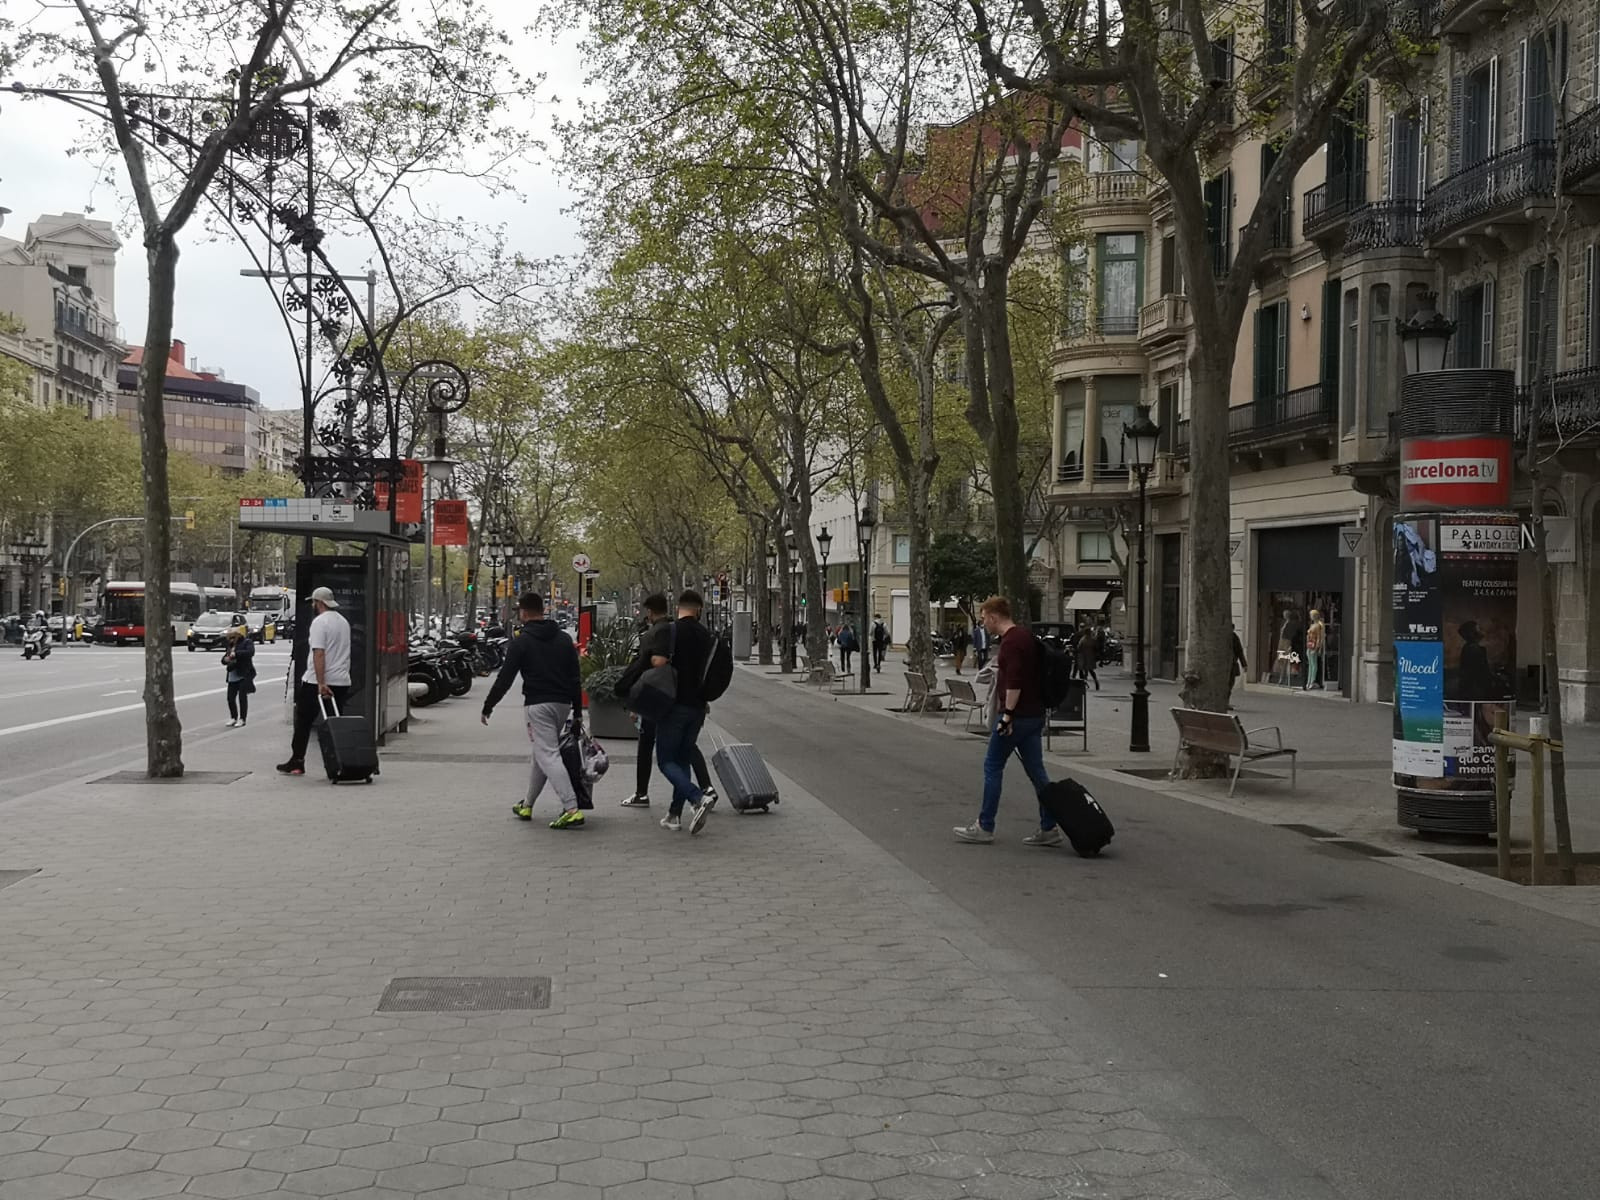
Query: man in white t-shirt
point(327, 675)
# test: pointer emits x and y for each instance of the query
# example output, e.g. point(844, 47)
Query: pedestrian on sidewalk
point(552, 690)
point(980, 646)
point(1238, 666)
point(686, 644)
point(1018, 729)
point(1087, 649)
point(239, 662)
point(655, 612)
point(326, 677)
point(959, 640)
point(848, 644)
point(880, 642)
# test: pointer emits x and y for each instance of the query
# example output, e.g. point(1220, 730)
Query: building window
point(1591, 307)
point(1171, 268)
point(1072, 443)
point(1074, 290)
point(1272, 350)
point(1113, 155)
point(1476, 112)
point(1538, 326)
point(1094, 546)
point(1405, 155)
point(1121, 278)
point(1219, 222)
point(1474, 314)
point(1381, 390)
point(1349, 379)
point(902, 549)
point(1538, 94)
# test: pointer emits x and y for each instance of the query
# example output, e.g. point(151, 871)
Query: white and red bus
point(122, 611)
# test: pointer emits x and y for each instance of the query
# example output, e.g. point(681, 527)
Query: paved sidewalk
point(775, 1009)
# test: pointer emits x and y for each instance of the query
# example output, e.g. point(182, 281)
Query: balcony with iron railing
point(1164, 321)
point(72, 326)
point(1503, 187)
point(1330, 205)
point(80, 379)
point(1568, 407)
point(1462, 17)
point(1384, 225)
point(1081, 332)
point(1286, 416)
point(1580, 170)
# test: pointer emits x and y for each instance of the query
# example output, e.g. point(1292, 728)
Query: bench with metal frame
point(1071, 716)
point(1224, 733)
point(918, 693)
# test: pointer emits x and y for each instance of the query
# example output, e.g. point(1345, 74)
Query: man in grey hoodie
point(552, 691)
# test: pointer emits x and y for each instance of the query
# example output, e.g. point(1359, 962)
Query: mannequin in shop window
point(1316, 634)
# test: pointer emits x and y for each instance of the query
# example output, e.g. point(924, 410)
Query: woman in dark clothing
point(239, 661)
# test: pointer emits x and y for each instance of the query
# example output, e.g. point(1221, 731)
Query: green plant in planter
point(612, 645)
point(601, 685)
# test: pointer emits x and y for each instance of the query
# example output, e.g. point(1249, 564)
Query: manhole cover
point(211, 777)
point(470, 993)
point(7, 878)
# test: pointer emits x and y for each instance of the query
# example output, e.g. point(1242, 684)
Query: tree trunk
point(1208, 639)
point(919, 644)
point(762, 616)
point(163, 730)
point(1003, 442)
point(786, 615)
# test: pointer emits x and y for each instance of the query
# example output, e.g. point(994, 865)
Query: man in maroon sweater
point(1019, 724)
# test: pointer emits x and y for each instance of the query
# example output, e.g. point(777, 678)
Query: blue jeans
point(676, 734)
point(1027, 740)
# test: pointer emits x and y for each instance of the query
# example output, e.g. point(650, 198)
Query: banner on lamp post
point(450, 523)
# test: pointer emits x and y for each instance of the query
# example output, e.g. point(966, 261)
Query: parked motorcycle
point(36, 643)
point(1110, 649)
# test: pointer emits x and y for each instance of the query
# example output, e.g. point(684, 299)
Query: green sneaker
point(523, 812)
point(570, 819)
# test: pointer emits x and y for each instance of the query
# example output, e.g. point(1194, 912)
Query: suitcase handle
point(324, 701)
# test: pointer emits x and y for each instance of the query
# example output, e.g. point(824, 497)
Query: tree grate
point(467, 993)
point(203, 777)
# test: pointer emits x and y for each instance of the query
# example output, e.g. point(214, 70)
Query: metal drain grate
point(7, 878)
point(211, 777)
point(468, 993)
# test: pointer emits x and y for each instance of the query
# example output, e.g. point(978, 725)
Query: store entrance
point(1300, 581)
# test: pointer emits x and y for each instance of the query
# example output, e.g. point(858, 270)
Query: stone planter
point(608, 719)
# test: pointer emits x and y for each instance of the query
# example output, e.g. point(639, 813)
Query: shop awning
point(1086, 601)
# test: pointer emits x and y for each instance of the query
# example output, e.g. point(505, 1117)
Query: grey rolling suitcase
point(745, 779)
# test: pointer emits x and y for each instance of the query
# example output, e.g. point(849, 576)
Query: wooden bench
point(963, 695)
point(918, 694)
point(1224, 733)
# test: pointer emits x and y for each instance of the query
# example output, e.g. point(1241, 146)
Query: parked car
point(209, 631)
point(263, 626)
point(12, 626)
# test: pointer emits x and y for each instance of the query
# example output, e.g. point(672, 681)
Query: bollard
point(1536, 865)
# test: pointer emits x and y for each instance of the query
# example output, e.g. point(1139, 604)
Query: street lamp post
point(29, 551)
point(866, 521)
point(1142, 437)
point(1425, 336)
point(495, 553)
point(824, 544)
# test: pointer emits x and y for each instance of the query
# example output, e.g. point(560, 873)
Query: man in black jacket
point(655, 612)
point(552, 690)
point(686, 644)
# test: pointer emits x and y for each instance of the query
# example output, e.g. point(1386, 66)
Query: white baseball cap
point(326, 596)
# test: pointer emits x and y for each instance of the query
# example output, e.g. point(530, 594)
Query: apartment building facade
point(58, 286)
point(1446, 186)
point(210, 418)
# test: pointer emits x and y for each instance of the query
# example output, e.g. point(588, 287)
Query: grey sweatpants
point(544, 731)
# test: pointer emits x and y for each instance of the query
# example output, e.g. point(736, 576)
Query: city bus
point(122, 611)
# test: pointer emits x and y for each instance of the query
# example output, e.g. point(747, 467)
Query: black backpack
point(719, 670)
point(1055, 674)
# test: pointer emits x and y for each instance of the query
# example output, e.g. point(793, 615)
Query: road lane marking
point(128, 692)
point(110, 712)
point(77, 687)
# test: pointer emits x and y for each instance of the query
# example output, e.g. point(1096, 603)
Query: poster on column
point(1478, 586)
point(1418, 748)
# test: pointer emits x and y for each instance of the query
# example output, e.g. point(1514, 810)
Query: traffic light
point(61, 587)
point(188, 518)
point(469, 579)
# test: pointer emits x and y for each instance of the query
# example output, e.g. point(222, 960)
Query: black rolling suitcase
point(745, 779)
point(1079, 815)
point(349, 752)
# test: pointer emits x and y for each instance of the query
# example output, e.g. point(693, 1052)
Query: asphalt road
point(84, 705)
point(1316, 1023)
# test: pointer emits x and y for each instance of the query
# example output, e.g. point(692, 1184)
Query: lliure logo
point(1452, 470)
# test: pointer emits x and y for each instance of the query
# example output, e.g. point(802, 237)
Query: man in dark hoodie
point(552, 691)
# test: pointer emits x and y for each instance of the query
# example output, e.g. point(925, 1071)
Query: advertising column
point(1454, 599)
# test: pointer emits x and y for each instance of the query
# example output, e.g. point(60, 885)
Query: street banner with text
point(450, 523)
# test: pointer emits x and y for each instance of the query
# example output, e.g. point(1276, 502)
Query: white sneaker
point(708, 797)
point(974, 833)
point(637, 801)
point(1045, 837)
point(671, 823)
point(233, 724)
point(697, 817)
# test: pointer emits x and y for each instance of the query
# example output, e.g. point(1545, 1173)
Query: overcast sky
point(227, 322)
